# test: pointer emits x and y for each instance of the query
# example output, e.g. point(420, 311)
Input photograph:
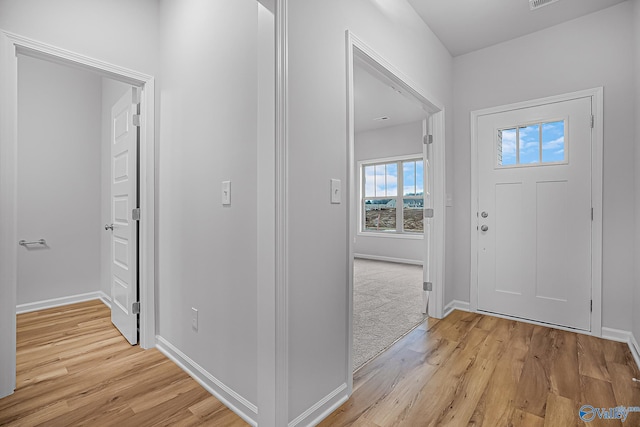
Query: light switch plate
point(226, 193)
point(336, 191)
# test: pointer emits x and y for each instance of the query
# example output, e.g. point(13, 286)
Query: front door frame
point(597, 136)
point(10, 46)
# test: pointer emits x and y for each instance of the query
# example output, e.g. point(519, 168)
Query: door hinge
point(428, 213)
point(427, 286)
point(593, 121)
point(135, 214)
point(135, 307)
point(136, 120)
point(427, 139)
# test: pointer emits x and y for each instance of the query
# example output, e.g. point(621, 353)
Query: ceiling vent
point(536, 4)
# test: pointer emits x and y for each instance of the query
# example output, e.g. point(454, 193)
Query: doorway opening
point(396, 204)
point(75, 179)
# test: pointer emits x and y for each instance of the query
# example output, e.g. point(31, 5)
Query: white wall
point(391, 141)
point(121, 32)
point(208, 252)
point(318, 264)
point(112, 91)
point(595, 50)
point(58, 180)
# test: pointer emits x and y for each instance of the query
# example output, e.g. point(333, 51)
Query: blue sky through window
point(553, 142)
point(530, 144)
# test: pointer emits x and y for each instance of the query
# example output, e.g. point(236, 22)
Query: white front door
point(124, 229)
point(535, 213)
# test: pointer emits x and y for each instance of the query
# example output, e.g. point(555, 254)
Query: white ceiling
point(467, 25)
point(374, 99)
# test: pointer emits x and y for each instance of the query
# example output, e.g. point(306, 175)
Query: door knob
point(484, 228)
point(484, 214)
point(108, 227)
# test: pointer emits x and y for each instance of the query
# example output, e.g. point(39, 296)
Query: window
point(392, 196)
point(532, 145)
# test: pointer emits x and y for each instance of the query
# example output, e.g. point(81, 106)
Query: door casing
point(357, 50)
point(11, 45)
point(596, 196)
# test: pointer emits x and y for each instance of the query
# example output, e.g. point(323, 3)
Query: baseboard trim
point(456, 305)
point(635, 350)
point(389, 259)
point(232, 400)
point(626, 337)
point(616, 335)
point(323, 408)
point(59, 302)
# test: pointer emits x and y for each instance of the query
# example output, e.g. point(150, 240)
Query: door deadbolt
point(484, 228)
point(484, 214)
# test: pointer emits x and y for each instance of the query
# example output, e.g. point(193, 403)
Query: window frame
point(540, 163)
point(399, 232)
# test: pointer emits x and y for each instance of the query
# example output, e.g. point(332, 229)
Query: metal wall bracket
point(135, 214)
point(427, 286)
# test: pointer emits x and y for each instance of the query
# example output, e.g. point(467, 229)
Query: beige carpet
point(387, 303)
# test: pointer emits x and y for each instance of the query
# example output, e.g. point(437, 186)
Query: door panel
point(534, 224)
point(124, 231)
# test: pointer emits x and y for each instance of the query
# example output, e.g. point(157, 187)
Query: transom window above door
point(534, 144)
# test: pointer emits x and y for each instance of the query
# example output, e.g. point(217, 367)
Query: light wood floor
point(75, 369)
point(474, 370)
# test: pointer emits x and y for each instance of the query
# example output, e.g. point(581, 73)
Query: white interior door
point(535, 213)
point(124, 229)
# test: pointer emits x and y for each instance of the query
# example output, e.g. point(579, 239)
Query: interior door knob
point(108, 227)
point(484, 214)
point(484, 228)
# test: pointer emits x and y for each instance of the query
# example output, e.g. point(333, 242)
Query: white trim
point(456, 305)
point(635, 350)
point(391, 235)
point(356, 50)
point(616, 334)
point(596, 196)
point(10, 45)
point(323, 408)
point(389, 259)
point(238, 404)
point(59, 302)
point(281, 251)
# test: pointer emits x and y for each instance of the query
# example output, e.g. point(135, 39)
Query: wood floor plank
point(75, 369)
point(564, 370)
point(591, 358)
point(599, 394)
point(561, 411)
